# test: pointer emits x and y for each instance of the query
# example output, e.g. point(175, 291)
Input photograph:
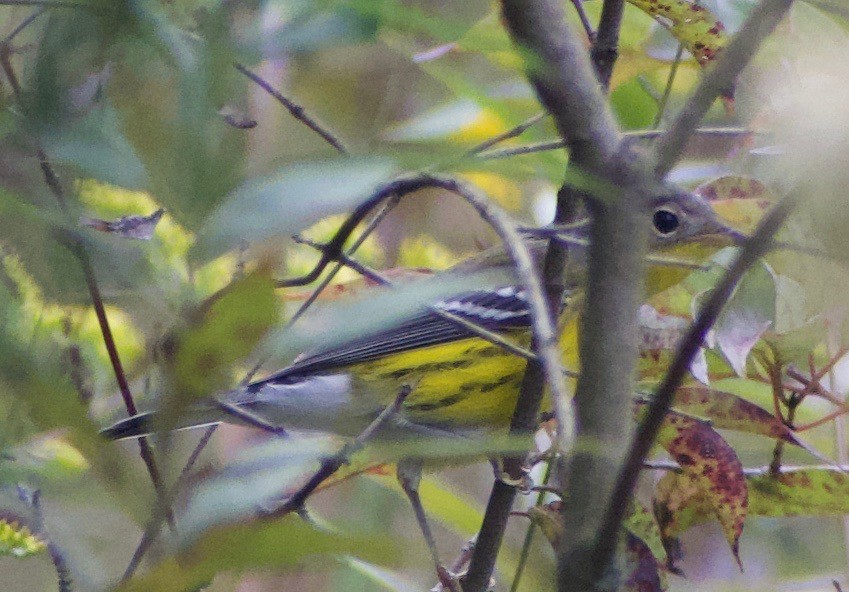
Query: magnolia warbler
point(459, 381)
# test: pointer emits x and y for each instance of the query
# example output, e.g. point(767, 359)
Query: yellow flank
point(469, 383)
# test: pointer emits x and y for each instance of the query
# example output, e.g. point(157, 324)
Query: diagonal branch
point(296, 110)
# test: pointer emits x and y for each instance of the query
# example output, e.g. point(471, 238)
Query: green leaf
point(96, 146)
point(229, 328)
point(275, 544)
point(256, 477)
point(728, 411)
point(40, 237)
point(288, 201)
point(16, 540)
point(633, 106)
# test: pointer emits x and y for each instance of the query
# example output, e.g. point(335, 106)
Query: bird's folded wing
point(495, 310)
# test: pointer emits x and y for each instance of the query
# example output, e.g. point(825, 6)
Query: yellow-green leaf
point(694, 26)
point(16, 540)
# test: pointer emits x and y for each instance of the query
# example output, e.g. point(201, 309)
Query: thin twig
point(159, 513)
point(752, 250)
point(508, 135)
point(63, 574)
point(23, 25)
point(78, 249)
point(296, 110)
point(585, 22)
point(644, 134)
point(333, 463)
point(367, 231)
point(667, 91)
point(525, 553)
point(761, 22)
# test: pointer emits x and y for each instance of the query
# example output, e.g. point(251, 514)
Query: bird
point(434, 370)
point(459, 382)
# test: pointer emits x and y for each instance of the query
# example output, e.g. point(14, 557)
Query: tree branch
point(560, 70)
point(605, 49)
point(296, 110)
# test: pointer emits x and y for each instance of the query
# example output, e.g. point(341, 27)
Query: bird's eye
point(665, 221)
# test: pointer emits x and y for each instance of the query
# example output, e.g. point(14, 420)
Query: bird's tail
point(144, 424)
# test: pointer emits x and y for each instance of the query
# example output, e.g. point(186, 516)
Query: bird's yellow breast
point(469, 383)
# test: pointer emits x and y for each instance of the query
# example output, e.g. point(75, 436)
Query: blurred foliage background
point(139, 107)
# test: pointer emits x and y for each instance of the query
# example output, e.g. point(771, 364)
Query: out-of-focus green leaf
point(46, 458)
point(288, 201)
point(193, 158)
point(313, 28)
point(97, 147)
point(229, 328)
point(833, 7)
point(633, 106)
point(36, 234)
point(272, 544)
point(258, 477)
point(16, 540)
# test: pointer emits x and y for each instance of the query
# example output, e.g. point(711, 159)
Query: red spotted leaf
point(641, 523)
point(694, 26)
point(641, 567)
point(806, 491)
point(678, 504)
point(713, 469)
point(730, 412)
